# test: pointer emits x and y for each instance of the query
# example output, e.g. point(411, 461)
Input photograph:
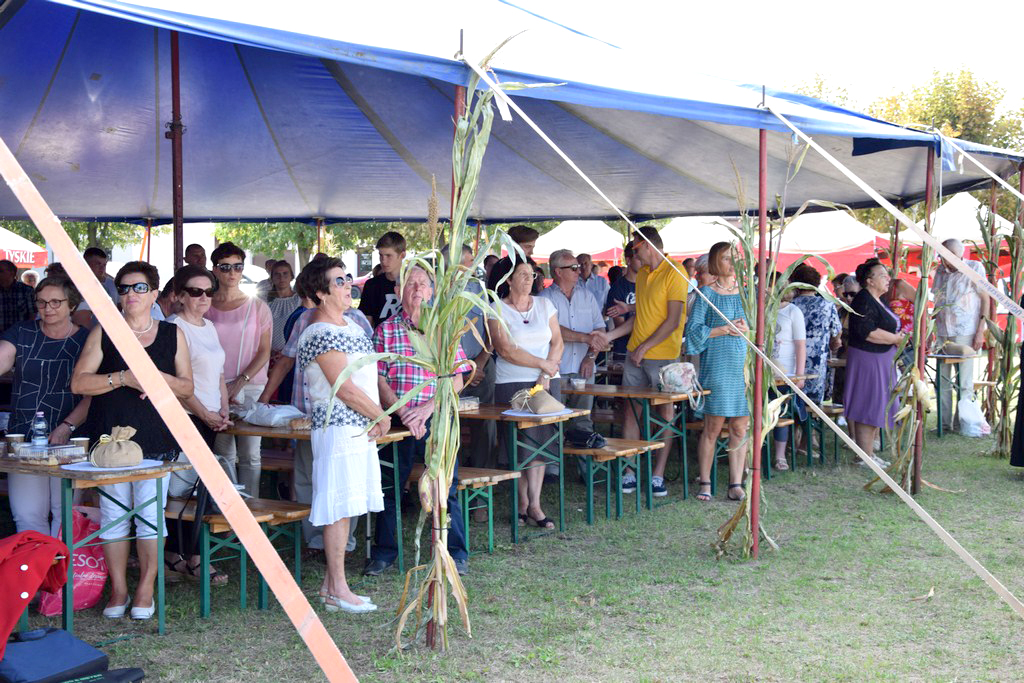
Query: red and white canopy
point(20, 251)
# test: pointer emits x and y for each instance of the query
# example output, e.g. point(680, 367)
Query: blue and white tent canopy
point(300, 110)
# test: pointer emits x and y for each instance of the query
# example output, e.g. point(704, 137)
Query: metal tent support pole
point(319, 237)
point(922, 333)
point(894, 247)
point(997, 245)
point(174, 133)
point(762, 201)
point(149, 239)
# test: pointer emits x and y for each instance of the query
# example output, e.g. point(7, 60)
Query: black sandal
point(743, 494)
point(171, 572)
point(543, 523)
point(217, 577)
point(704, 496)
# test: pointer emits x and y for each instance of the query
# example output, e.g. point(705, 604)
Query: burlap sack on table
point(536, 400)
point(116, 449)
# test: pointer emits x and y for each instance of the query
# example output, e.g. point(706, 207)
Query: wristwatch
point(245, 377)
point(70, 426)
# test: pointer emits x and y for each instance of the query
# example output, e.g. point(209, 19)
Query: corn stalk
point(745, 259)
point(1004, 341)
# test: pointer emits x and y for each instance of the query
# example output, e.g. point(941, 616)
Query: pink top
point(239, 332)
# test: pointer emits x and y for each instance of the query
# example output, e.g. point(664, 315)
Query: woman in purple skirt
point(870, 361)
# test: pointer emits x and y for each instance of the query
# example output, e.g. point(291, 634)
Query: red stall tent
point(958, 217)
point(694, 235)
point(581, 237)
point(20, 251)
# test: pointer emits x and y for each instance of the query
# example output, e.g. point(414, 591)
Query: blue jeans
point(385, 545)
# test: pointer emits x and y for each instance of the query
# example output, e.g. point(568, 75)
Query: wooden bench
point(277, 517)
point(982, 384)
point(612, 460)
point(476, 491)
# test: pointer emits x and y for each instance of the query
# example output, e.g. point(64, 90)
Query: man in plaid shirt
point(394, 379)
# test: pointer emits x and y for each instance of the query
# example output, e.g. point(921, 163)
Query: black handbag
point(49, 655)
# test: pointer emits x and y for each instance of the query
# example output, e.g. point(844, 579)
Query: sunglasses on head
point(196, 292)
point(138, 288)
point(228, 267)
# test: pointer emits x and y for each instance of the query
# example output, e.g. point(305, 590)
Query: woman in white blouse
point(194, 288)
point(529, 353)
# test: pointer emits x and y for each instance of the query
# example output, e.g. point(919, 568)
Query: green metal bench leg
point(620, 464)
point(514, 464)
point(262, 599)
point(588, 475)
point(296, 530)
point(161, 611)
point(243, 577)
point(561, 476)
point(204, 565)
point(67, 531)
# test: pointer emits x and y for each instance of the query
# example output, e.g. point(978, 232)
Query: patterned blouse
point(320, 339)
point(821, 319)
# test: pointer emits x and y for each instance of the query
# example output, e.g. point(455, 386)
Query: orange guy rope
point(280, 580)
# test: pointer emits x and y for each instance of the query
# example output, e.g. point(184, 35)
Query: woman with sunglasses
point(346, 471)
point(43, 352)
point(194, 288)
point(528, 353)
point(243, 324)
point(119, 401)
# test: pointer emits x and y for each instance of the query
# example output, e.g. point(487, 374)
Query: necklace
point(525, 317)
point(65, 335)
point(139, 333)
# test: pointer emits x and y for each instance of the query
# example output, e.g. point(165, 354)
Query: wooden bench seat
point(218, 523)
point(615, 448)
point(611, 460)
point(980, 384)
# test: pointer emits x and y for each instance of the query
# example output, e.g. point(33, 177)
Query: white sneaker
point(841, 421)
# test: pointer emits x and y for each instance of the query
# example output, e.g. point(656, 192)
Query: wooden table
point(652, 426)
point(940, 360)
point(71, 480)
point(536, 455)
point(243, 428)
point(779, 382)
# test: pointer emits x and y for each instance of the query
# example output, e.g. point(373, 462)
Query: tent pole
point(997, 245)
point(894, 247)
point(460, 111)
point(755, 465)
point(319, 234)
point(149, 238)
point(175, 130)
point(922, 333)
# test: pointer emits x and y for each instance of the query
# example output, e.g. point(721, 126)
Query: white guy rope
point(944, 535)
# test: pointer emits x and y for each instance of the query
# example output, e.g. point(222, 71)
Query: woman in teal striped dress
point(722, 355)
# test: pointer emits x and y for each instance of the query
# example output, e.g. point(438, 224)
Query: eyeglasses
point(138, 288)
point(228, 267)
point(848, 295)
point(196, 292)
point(527, 275)
point(52, 303)
point(574, 267)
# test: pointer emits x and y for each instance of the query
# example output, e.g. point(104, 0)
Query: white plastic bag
point(972, 420)
point(266, 415)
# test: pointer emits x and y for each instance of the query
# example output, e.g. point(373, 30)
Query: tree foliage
point(87, 234)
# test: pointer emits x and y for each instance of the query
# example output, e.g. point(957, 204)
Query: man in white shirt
point(960, 308)
point(590, 280)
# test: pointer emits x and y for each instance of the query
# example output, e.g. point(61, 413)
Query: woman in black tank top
point(117, 400)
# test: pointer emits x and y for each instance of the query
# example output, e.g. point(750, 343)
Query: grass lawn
point(644, 599)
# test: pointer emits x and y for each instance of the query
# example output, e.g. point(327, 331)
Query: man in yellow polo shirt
point(655, 338)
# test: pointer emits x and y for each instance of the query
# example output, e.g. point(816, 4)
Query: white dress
point(346, 471)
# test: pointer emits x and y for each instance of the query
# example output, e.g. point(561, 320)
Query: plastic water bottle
point(40, 432)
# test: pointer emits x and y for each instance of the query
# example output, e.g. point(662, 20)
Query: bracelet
point(110, 379)
point(121, 378)
point(245, 377)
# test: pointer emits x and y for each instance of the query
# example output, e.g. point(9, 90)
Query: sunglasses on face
point(228, 267)
point(52, 303)
point(196, 292)
point(138, 288)
point(574, 267)
point(341, 281)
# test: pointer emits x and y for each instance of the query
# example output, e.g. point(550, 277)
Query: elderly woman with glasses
point(42, 353)
point(870, 361)
point(529, 352)
point(194, 288)
point(119, 401)
point(243, 324)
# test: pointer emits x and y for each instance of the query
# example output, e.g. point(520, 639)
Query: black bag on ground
point(49, 655)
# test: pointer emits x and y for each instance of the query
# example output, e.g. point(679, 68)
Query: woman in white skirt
point(346, 472)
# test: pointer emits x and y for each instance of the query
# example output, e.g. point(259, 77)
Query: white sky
point(871, 48)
